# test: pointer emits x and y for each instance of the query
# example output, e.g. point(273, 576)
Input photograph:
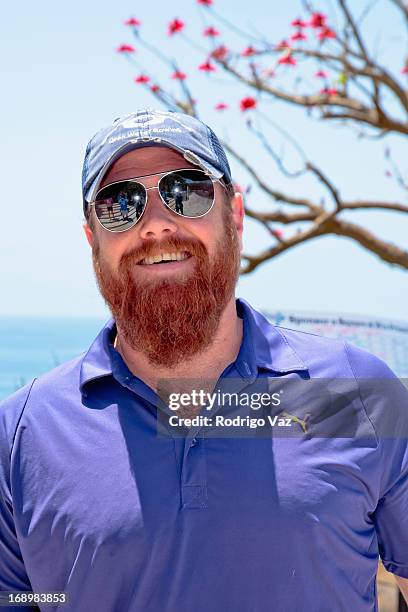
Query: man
point(110, 203)
point(103, 498)
point(178, 198)
point(123, 205)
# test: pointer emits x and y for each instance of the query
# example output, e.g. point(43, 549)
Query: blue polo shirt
point(94, 503)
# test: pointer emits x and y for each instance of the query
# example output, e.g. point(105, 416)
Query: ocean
point(30, 346)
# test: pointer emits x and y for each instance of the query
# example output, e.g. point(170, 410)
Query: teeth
point(164, 257)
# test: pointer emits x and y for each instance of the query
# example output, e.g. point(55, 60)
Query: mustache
point(151, 249)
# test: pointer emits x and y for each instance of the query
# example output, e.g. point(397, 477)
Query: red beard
point(170, 320)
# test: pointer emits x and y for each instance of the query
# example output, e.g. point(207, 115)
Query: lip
point(169, 266)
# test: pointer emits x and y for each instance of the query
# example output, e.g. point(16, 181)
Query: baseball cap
point(148, 127)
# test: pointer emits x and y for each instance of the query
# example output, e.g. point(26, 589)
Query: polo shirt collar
point(263, 346)
point(96, 362)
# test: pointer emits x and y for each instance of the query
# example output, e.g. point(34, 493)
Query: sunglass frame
point(164, 174)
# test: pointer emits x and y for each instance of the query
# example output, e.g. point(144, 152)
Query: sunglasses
point(189, 193)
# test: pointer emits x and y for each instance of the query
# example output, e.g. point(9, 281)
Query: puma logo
point(302, 422)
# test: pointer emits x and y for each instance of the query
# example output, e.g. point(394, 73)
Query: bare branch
point(403, 6)
point(383, 124)
point(327, 183)
point(354, 29)
point(273, 193)
point(392, 206)
point(277, 158)
point(317, 229)
point(385, 250)
point(329, 225)
point(280, 217)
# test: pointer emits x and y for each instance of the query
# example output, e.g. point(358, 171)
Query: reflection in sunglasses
point(189, 193)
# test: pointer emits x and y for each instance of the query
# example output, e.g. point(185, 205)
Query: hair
point(230, 190)
point(88, 217)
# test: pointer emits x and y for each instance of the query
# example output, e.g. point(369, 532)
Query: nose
point(157, 221)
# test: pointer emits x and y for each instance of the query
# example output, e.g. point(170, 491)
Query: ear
point(88, 234)
point(237, 205)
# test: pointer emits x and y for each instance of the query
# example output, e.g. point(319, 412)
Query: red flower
point(248, 51)
point(326, 32)
point(219, 53)
point(207, 67)
point(299, 23)
point(283, 45)
point(175, 26)
point(154, 88)
point(318, 20)
point(211, 32)
point(221, 106)
point(205, 2)
point(321, 74)
point(405, 69)
point(126, 49)
point(330, 91)
point(133, 22)
point(247, 103)
point(277, 233)
point(142, 78)
point(179, 75)
point(288, 59)
point(298, 36)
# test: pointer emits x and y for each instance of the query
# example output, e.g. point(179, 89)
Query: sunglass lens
point(187, 192)
point(119, 206)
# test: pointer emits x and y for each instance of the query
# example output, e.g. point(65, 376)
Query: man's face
point(169, 311)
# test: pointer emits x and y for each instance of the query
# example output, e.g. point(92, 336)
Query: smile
point(164, 258)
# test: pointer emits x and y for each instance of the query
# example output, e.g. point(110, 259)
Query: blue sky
point(63, 80)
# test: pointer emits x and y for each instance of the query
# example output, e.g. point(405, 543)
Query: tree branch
point(273, 193)
point(403, 6)
point(354, 29)
point(359, 111)
point(385, 250)
point(328, 184)
point(317, 229)
point(361, 205)
point(328, 225)
point(280, 217)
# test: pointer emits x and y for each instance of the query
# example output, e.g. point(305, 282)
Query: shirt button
point(193, 442)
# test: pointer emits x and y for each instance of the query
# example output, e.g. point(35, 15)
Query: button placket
point(194, 474)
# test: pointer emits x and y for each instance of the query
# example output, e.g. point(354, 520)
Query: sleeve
point(385, 399)
point(13, 576)
point(391, 514)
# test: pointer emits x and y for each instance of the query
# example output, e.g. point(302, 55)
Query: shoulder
point(56, 381)
point(30, 403)
point(323, 356)
point(11, 410)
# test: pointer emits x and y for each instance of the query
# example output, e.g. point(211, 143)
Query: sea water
point(30, 346)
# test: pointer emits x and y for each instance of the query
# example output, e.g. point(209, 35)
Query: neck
point(208, 364)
